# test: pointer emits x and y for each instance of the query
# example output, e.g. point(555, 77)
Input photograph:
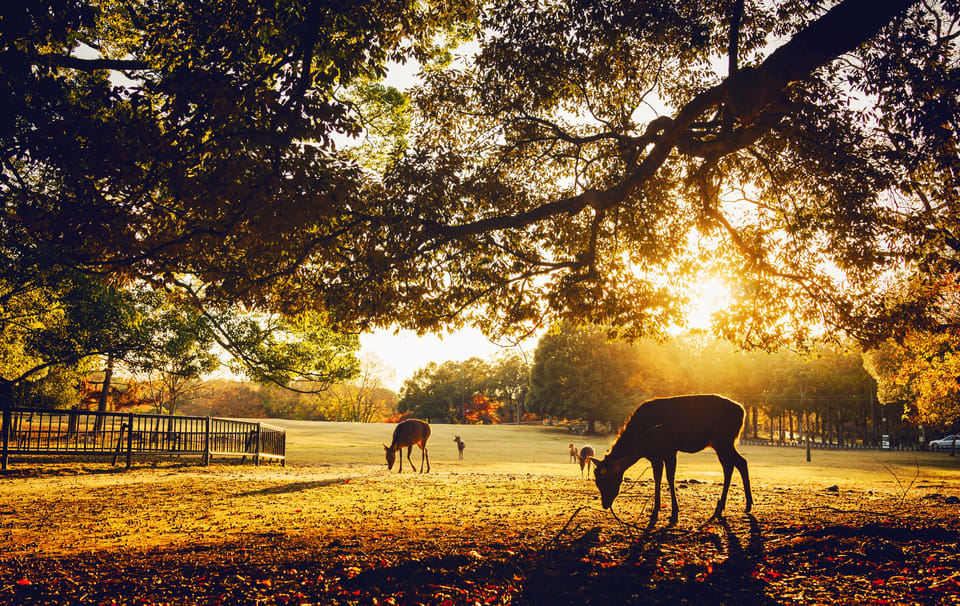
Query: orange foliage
point(129, 395)
point(396, 417)
point(482, 410)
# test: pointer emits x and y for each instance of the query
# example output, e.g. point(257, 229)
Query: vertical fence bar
point(116, 452)
point(257, 457)
point(130, 441)
point(206, 441)
point(6, 438)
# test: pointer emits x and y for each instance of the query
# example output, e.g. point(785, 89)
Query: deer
point(460, 446)
point(574, 454)
point(661, 427)
point(585, 457)
point(405, 435)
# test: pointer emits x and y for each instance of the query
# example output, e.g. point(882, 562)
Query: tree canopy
point(588, 161)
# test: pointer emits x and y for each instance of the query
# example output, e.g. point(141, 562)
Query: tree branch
point(749, 92)
point(80, 64)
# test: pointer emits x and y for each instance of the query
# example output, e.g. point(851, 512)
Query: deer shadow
point(650, 571)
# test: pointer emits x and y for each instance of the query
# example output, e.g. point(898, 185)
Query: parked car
point(945, 443)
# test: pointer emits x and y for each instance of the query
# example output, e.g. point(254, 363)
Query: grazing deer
point(661, 427)
point(406, 434)
point(574, 455)
point(460, 446)
point(585, 457)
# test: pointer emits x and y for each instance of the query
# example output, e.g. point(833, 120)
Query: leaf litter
point(227, 534)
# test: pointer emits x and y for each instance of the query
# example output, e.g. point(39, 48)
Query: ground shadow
point(293, 487)
point(656, 567)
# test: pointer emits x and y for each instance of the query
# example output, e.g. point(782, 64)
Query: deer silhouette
point(585, 457)
point(658, 429)
point(406, 434)
point(460, 446)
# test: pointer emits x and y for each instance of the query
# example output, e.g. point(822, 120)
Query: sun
point(706, 298)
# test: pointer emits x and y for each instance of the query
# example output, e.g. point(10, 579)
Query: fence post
point(206, 441)
point(116, 451)
point(130, 441)
point(6, 436)
point(259, 430)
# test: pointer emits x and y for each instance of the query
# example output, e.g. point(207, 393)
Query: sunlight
point(706, 298)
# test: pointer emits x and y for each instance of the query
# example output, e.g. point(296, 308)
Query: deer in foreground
point(658, 429)
point(406, 434)
point(460, 446)
point(585, 457)
point(574, 454)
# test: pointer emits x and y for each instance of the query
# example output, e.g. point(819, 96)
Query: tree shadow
point(293, 487)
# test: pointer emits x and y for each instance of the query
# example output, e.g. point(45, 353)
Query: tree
point(594, 159)
point(579, 374)
point(922, 370)
point(364, 399)
point(56, 320)
point(510, 382)
point(177, 351)
point(588, 162)
point(444, 392)
point(155, 138)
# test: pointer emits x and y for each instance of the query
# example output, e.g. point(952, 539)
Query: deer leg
point(741, 465)
point(727, 463)
point(657, 474)
point(412, 466)
point(671, 463)
point(424, 456)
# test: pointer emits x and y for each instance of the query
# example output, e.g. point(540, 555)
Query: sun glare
point(706, 298)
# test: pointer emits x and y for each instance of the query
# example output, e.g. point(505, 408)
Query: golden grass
point(544, 450)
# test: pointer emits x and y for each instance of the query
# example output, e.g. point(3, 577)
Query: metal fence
point(78, 432)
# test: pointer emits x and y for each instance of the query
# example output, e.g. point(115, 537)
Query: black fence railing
point(79, 432)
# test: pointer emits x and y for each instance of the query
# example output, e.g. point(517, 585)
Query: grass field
point(543, 450)
point(513, 523)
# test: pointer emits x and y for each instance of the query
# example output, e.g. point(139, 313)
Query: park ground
point(514, 522)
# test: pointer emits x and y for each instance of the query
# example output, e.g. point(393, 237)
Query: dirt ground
point(232, 534)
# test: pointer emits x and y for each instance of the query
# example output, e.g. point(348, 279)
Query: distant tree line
point(470, 391)
point(829, 393)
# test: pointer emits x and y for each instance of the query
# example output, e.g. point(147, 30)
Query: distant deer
point(406, 434)
point(460, 446)
point(661, 427)
point(574, 455)
point(585, 457)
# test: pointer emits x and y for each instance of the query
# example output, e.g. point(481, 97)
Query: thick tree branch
point(751, 94)
point(77, 63)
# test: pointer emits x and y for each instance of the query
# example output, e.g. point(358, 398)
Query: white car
point(945, 443)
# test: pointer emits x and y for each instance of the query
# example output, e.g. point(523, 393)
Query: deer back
point(681, 423)
point(410, 432)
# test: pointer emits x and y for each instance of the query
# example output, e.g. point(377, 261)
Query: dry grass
point(514, 493)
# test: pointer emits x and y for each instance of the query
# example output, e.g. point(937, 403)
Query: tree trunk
point(107, 379)
point(104, 395)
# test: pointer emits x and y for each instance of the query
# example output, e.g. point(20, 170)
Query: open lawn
point(513, 523)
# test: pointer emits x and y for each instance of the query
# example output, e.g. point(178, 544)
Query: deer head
point(608, 474)
point(391, 456)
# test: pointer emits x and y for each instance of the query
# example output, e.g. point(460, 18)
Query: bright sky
point(405, 352)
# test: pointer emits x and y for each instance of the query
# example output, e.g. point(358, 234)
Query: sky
point(405, 352)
